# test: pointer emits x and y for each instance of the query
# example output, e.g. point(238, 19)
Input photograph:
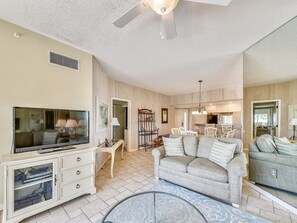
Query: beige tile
point(75, 204)
point(259, 203)
point(274, 217)
point(34, 218)
point(123, 195)
point(111, 201)
point(60, 217)
point(96, 217)
point(133, 186)
point(94, 208)
point(80, 219)
point(107, 194)
point(282, 213)
point(75, 213)
point(90, 198)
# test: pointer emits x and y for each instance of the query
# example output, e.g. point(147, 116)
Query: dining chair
point(210, 131)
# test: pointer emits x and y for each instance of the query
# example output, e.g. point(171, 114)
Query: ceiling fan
point(163, 8)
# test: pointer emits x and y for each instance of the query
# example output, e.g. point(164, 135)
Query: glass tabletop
point(153, 207)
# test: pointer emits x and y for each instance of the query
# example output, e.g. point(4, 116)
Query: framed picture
point(164, 115)
point(102, 116)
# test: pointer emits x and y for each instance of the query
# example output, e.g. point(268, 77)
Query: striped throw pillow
point(285, 147)
point(173, 146)
point(222, 153)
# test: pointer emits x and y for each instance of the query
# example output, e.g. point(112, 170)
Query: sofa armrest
point(237, 165)
point(236, 170)
point(158, 154)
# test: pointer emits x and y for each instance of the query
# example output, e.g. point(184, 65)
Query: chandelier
point(200, 110)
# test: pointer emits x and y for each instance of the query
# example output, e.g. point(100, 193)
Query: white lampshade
point(61, 123)
point(81, 123)
point(71, 123)
point(293, 121)
point(114, 122)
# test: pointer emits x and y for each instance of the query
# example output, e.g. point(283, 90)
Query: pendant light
point(200, 110)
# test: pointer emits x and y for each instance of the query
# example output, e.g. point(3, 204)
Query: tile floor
point(135, 174)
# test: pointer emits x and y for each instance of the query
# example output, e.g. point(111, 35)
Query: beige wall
point(285, 91)
point(106, 88)
point(27, 78)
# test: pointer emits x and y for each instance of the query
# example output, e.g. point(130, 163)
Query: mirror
point(270, 74)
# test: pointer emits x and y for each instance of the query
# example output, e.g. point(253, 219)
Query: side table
point(111, 150)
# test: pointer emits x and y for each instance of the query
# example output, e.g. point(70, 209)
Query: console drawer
point(77, 160)
point(76, 187)
point(77, 173)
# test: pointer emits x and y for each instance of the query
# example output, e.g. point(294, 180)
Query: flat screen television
point(212, 119)
point(36, 129)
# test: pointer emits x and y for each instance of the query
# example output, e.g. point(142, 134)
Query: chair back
point(226, 128)
point(210, 125)
point(231, 133)
point(210, 131)
point(189, 132)
point(175, 131)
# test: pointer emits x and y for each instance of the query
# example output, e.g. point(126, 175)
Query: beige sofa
point(195, 171)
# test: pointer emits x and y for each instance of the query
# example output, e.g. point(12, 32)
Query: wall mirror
point(270, 74)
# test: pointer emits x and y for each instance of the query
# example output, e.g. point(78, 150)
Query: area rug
point(142, 209)
point(212, 210)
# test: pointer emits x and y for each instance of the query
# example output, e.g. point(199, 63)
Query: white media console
point(36, 182)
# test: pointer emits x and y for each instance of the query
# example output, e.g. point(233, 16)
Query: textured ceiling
point(208, 46)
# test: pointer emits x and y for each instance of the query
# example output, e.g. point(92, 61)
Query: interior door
point(265, 118)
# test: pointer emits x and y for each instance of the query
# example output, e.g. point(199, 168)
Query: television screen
point(212, 119)
point(41, 128)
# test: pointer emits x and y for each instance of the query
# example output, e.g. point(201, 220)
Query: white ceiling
point(209, 43)
point(273, 59)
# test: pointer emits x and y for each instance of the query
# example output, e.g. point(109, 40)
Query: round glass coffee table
point(154, 207)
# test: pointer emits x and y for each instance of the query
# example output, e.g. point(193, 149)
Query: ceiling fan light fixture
point(162, 7)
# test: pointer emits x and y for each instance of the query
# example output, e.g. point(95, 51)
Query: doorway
point(265, 118)
point(121, 109)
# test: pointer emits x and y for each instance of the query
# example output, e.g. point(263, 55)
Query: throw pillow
point(173, 146)
point(222, 153)
point(266, 144)
point(285, 148)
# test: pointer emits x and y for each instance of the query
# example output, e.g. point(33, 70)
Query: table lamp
point(293, 122)
point(71, 124)
point(114, 122)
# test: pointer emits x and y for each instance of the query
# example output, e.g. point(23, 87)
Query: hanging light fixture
point(200, 110)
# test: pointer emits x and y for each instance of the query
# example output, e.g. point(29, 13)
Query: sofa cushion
point(207, 169)
point(286, 148)
point(266, 144)
point(205, 145)
point(173, 146)
point(179, 163)
point(222, 153)
point(190, 145)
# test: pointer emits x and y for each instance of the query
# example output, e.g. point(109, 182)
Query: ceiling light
point(162, 7)
point(200, 110)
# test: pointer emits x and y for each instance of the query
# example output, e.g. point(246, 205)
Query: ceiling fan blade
point(213, 2)
point(130, 15)
point(168, 30)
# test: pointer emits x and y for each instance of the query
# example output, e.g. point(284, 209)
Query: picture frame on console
point(164, 115)
point(101, 116)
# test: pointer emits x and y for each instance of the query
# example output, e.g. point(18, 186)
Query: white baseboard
point(272, 197)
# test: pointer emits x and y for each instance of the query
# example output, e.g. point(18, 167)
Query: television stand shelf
point(35, 182)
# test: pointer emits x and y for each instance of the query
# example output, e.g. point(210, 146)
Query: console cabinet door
point(31, 186)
